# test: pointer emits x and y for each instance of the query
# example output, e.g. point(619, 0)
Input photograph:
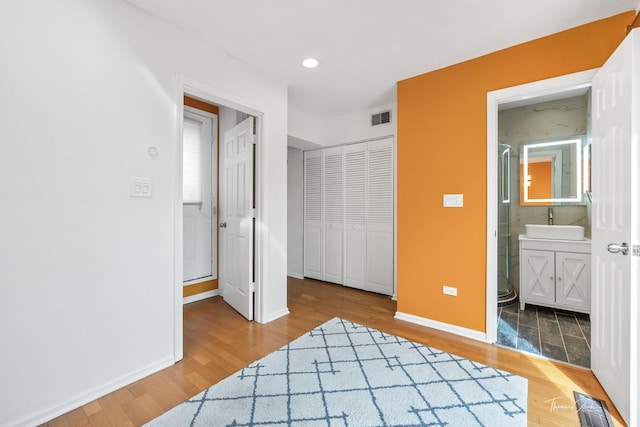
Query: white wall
point(87, 273)
point(305, 126)
point(295, 221)
point(357, 126)
point(308, 132)
point(227, 119)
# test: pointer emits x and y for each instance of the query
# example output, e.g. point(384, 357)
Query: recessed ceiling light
point(310, 63)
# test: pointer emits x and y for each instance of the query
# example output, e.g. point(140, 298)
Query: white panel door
point(199, 257)
point(332, 203)
point(616, 217)
point(237, 219)
point(380, 216)
point(355, 242)
point(313, 252)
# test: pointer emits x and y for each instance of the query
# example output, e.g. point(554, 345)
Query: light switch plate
point(452, 200)
point(140, 186)
point(450, 290)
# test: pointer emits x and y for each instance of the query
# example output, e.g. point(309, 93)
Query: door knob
point(615, 248)
point(223, 225)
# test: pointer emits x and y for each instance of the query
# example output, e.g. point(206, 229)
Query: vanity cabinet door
point(573, 280)
point(537, 277)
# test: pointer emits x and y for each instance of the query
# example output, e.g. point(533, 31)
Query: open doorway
point(227, 203)
point(200, 199)
point(615, 196)
point(543, 286)
point(534, 93)
point(218, 208)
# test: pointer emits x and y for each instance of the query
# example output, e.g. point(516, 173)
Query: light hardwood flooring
point(219, 342)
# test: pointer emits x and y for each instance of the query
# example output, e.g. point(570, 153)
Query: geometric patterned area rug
point(345, 374)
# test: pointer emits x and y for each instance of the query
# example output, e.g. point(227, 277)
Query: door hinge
point(253, 213)
point(253, 139)
point(252, 287)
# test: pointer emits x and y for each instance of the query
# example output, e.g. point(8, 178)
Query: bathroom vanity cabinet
point(555, 273)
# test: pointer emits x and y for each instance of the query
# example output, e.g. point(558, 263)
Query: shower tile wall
point(548, 120)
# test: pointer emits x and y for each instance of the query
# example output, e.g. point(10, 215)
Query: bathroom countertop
point(525, 237)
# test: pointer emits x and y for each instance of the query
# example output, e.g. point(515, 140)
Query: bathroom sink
point(558, 232)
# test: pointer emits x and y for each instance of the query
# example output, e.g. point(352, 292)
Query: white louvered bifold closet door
point(333, 214)
point(313, 251)
point(380, 216)
point(349, 215)
point(355, 247)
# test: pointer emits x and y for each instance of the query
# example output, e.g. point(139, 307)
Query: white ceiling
point(365, 46)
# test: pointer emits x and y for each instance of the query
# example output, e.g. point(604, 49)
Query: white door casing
point(199, 217)
point(237, 217)
point(616, 218)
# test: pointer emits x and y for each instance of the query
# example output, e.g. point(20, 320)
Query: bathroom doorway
point(539, 178)
point(516, 117)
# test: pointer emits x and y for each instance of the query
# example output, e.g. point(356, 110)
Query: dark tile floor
point(556, 334)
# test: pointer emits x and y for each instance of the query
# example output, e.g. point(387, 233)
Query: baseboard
point(441, 326)
point(200, 296)
point(295, 275)
point(275, 316)
point(71, 404)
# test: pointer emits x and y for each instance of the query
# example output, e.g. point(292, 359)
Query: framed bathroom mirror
point(551, 172)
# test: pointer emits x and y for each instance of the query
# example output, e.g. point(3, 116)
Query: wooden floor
point(219, 342)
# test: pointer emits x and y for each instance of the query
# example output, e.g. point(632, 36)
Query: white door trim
point(195, 88)
point(494, 100)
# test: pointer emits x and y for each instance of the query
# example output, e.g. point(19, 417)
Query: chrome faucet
point(550, 216)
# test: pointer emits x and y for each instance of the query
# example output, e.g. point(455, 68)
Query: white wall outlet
point(449, 290)
point(452, 200)
point(140, 186)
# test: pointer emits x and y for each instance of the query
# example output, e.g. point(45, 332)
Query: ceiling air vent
point(381, 118)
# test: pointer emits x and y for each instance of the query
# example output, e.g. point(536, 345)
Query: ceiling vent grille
point(381, 118)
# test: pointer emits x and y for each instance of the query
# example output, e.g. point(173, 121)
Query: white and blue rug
point(345, 374)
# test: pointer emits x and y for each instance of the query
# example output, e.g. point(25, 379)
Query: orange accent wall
point(199, 288)
point(442, 144)
point(540, 188)
point(200, 105)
